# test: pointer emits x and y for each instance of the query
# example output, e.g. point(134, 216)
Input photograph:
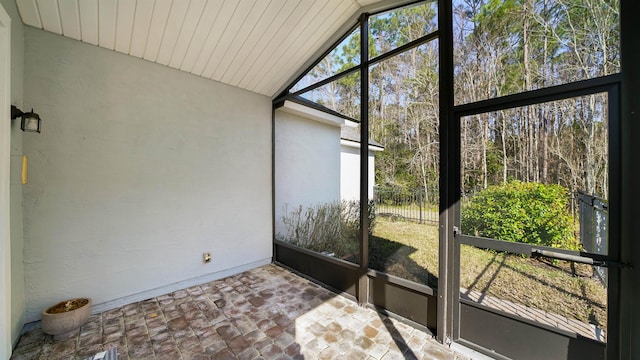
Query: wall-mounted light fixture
point(30, 120)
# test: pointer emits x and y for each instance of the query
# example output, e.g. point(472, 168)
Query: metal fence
point(422, 207)
point(413, 205)
point(594, 222)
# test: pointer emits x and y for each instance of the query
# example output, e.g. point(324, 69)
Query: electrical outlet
point(206, 257)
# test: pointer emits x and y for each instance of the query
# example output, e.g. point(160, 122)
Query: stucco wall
point(307, 164)
point(139, 169)
point(350, 172)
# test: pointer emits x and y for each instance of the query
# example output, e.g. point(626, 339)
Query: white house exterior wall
point(139, 169)
point(350, 171)
point(307, 158)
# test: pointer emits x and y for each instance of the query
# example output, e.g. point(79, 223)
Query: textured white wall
point(307, 163)
point(139, 169)
point(350, 172)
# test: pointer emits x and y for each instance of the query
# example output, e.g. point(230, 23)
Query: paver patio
point(265, 313)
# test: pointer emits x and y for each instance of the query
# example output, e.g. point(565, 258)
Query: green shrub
point(332, 227)
point(526, 212)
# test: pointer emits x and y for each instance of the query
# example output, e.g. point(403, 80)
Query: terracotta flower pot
point(63, 319)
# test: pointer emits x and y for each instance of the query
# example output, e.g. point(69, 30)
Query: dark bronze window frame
point(410, 302)
point(468, 316)
point(442, 306)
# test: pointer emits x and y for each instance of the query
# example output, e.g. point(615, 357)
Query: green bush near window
point(526, 212)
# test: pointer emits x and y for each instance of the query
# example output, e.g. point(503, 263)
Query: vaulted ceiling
point(257, 45)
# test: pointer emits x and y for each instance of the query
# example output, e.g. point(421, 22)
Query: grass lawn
point(410, 250)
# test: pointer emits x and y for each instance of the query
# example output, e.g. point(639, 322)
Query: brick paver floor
point(265, 313)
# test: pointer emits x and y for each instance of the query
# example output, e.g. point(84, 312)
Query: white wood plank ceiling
point(257, 45)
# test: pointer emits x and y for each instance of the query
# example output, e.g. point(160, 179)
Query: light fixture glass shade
point(30, 122)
